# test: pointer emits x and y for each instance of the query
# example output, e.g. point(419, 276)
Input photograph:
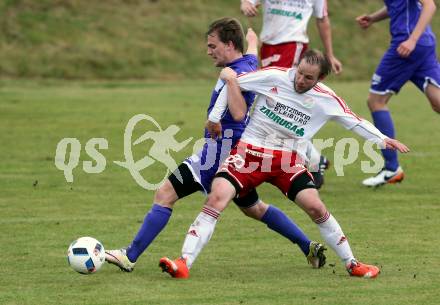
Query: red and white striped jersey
point(283, 119)
point(286, 20)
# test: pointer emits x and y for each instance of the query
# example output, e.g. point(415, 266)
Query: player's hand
point(336, 65)
point(364, 21)
point(396, 145)
point(248, 9)
point(214, 129)
point(406, 48)
point(227, 74)
point(252, 42)
point(251, 37)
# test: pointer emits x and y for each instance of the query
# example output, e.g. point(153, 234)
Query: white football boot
point(385, 176)
point(120, 259)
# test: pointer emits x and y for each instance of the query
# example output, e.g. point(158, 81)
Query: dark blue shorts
point(421, 68)
point(205, 163)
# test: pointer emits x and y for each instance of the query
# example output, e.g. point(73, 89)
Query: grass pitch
point(395, 227)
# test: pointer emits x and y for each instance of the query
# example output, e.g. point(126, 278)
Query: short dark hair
point(228, 29)
point(316, 57)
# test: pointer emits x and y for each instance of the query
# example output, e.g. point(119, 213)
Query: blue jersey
point(404, 15)
point(204, 163)
point(247, 63)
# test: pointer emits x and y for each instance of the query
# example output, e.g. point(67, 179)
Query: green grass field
point(395, 227)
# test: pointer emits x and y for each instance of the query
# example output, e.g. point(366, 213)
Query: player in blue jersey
point(225, 47)
point(410, 57)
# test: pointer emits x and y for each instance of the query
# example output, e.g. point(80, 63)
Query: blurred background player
point(225, 47)
point(410, 57)
point(270, 144)
point(284, 39)
point(284, 33)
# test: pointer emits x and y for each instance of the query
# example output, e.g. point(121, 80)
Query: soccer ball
point(86, 255)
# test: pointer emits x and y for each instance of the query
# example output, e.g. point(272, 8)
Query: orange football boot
point(176, 268)
point(359, 269)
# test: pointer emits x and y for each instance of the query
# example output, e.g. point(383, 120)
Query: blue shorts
point(204, 164)
point(421, 68)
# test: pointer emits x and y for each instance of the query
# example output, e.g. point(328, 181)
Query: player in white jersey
point(285, 39)
point(291, 106)
point(284, 33)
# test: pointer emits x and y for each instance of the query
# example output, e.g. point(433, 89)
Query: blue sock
point(153, 224)
point(276, 220)
point(383, 121)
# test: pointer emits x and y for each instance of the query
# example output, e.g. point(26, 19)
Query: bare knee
point(217, 201)
point(435, 103)
point(377, 102)
point(310, 202)
point(433, 94)
point(316, 211)
point(256, 211)
point(222, 191)
point(166, 195)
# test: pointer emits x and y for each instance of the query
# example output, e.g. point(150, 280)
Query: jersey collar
point(291, 74)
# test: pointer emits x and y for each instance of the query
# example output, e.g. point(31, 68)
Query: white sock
point(199, 234)
point(334, 237)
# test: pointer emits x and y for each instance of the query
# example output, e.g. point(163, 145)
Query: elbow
point(325, 21)
point(239, 116)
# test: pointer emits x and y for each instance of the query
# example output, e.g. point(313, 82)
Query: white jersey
point(286, 20)
point(286, 120)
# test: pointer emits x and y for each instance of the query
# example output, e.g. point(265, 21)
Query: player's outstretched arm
point(364, 128)
point(252, 42)
point(365, 21)
point(370, 133)
point(325, 32)
point(395, 144)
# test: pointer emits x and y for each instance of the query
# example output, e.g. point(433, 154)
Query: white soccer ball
point(86, 255)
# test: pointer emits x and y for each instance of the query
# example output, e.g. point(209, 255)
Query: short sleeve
point(320, 9)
